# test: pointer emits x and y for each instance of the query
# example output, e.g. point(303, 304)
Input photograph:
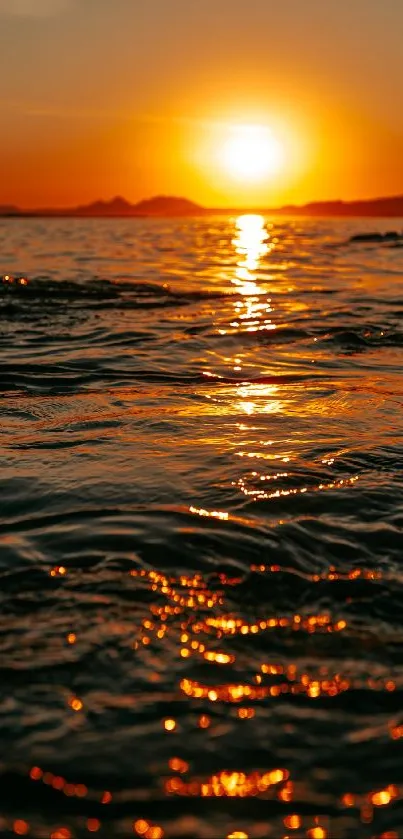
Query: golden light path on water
point(252, 309)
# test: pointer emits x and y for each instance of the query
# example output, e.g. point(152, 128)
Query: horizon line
point(169, 204)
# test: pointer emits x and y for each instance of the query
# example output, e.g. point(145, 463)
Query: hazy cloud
point(33, 8)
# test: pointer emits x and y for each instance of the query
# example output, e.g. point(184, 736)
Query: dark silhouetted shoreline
point(170, 206)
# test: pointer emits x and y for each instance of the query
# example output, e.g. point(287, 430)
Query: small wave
point(362, 339)
point(376, 238)
point(20, 297)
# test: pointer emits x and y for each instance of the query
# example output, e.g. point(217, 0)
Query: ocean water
point(201, 521)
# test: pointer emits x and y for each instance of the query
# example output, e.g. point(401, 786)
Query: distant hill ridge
point(168, 206)
point(160, 205)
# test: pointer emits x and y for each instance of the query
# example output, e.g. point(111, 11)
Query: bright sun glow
point(252, 153)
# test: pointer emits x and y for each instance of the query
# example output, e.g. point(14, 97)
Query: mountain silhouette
point(115, 207)
point(170, 206)
point(389, 206)
point(167, 205)
point(8, 210)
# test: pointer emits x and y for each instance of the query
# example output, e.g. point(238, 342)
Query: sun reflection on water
point(259, 399)
point(252, 306)
point(251, 244)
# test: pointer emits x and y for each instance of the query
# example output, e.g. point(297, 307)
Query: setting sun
point(252, 153)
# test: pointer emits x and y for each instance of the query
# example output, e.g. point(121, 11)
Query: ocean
point(201, 528)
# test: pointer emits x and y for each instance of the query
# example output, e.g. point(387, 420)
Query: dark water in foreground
point(201, 523)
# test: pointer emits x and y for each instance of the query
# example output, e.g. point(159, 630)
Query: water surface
point(201, 529)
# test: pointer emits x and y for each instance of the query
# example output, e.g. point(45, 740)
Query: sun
point(252, 153)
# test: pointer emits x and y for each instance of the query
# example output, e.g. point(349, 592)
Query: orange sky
point(105, 97)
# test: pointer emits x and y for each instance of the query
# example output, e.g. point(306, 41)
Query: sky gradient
point(136, 97)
